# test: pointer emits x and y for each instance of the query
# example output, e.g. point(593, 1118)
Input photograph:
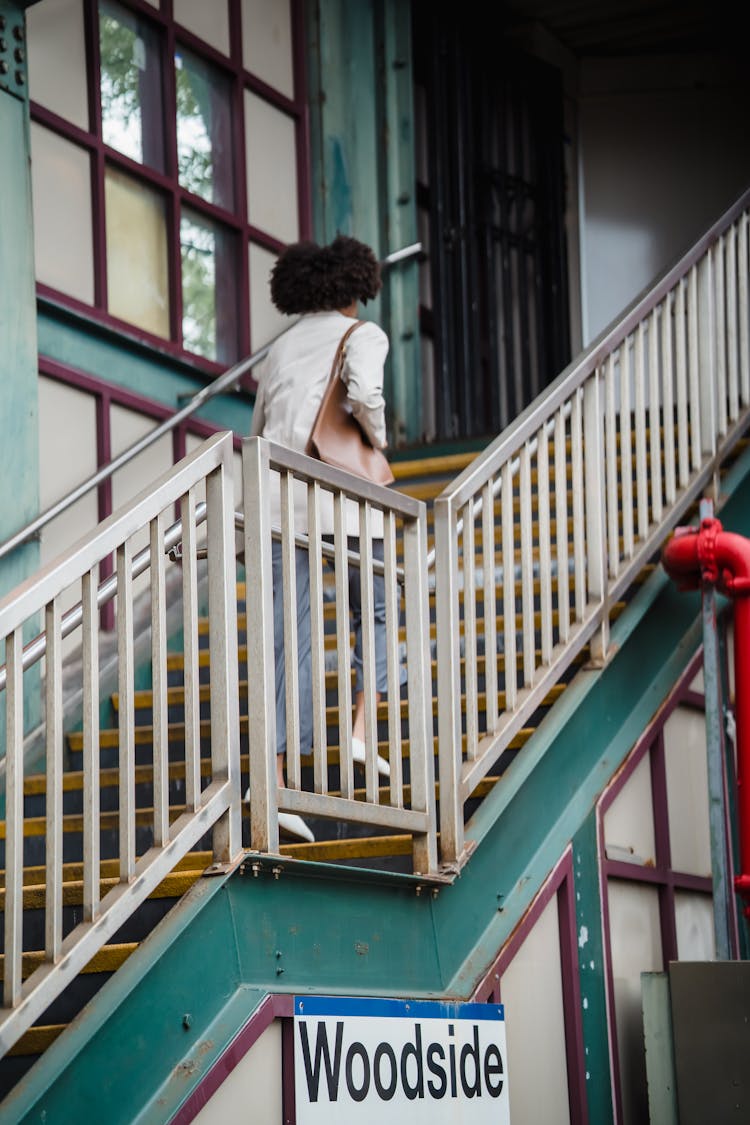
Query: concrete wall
point(663, 149)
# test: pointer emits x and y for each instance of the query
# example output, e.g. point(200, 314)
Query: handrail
point(530, 420)
point(591, 477)
point(223, 383)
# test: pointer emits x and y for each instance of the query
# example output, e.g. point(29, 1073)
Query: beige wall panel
point(271, 157)
point(67, 456)
point(531, 990)
point(255, 1081)
point(209, 22)
point(127, 427)
point(687, 791)
point(635, 939)
point(57, 59)
point(694, 917)
point(63, 239)
point(265, 321)
point(629, 821)
point(267, 42)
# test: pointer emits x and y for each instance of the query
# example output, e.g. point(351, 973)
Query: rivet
point(3, 45)
point(18, 54)
point(20, 77)
point(403, 198)
point(187, 1021)
point(3, 66)
point(18, 32)
point(2, 23)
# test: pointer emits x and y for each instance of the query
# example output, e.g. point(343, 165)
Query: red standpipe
point(710, 555)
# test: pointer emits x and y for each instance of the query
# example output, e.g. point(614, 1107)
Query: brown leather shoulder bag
point(337, 437)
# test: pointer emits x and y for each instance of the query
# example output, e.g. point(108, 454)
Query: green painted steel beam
point(79, 342)
point(314, 928)
point(363, 168)
point(19, 416)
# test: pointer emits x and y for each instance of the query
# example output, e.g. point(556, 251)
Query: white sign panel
point(362, 1062)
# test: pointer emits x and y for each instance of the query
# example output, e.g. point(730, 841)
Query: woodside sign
point(364, 1061)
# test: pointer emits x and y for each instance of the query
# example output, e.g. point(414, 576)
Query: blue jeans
point(304, 650)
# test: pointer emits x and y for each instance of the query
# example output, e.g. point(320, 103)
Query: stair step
point(107, 960)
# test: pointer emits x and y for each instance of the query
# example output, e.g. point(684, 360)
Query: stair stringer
point(148, 1039)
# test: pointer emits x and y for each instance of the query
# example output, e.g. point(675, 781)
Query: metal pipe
point(721, 558)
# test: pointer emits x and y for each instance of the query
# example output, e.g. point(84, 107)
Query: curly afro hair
point(310, 278)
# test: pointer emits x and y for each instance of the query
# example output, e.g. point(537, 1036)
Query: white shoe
point(294, 825)
point(290, 823)
point(359, 756)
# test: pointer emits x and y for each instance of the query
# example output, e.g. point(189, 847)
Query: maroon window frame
point(559, 885)
point(235, 221)
point(662, 875)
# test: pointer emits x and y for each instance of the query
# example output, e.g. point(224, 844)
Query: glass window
point(131, 86)
point(167, 177)
point(55, 36)
point(204, 130)
point(137, 264)
point(267, 42)
point(63, 236)
point(209, 319)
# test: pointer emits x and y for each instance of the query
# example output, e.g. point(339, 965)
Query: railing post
point(224, 686)
point(421, 741)
point(449, 682)
point(707, 353)
point(595, 515)
point(261, 685)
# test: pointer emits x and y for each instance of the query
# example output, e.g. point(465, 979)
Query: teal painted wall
point(363, 171)
point(19, 452)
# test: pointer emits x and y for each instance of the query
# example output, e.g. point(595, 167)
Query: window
point(168, 161)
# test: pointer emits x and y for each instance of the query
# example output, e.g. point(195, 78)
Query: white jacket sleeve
point(366, 351)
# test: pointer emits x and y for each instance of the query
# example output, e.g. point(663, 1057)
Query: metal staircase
point(537, 544)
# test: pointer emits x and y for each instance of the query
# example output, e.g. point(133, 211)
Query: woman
point(325, 286)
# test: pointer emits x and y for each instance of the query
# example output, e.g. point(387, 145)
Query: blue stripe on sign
point(395, 1009)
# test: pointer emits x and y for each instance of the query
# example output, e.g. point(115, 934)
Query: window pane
point(635, 937)
point(57, 58)
point(137, 273)
point(267, 42)
point(687, 791)
point(265, 319)
point(629, 820)
point(210, 22)
point(63, 240)
point(204, 130)
point(694, 919)
point(531, 990)
point(132, 120)
point(271, 170)
point(209, 319)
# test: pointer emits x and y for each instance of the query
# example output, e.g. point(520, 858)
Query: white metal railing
point(575, 496)
point(336, 502)
point(210, 803)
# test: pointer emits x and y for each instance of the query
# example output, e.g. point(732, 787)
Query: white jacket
point(291, 383)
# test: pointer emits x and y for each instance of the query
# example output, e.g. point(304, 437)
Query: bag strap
point(336, 370)
point(338, 359)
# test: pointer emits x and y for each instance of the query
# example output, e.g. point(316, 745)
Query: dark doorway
point(490, 192)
